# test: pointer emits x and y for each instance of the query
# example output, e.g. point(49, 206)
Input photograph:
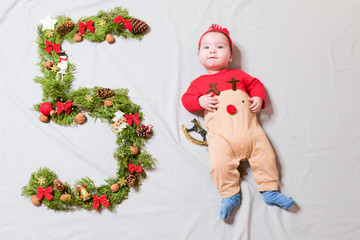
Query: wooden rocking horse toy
point(196, 128)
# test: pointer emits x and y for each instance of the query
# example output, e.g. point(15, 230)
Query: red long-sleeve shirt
point(201, 85)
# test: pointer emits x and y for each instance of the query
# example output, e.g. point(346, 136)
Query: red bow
point(47, 192)
point(89, 25)
point(103, 200)
point(127, 24)
point(118, 19)
point(133, 168)
point(52, 46)
point(130, 118)
point(64, 107)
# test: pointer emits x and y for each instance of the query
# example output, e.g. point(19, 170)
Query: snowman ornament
point(63, 63)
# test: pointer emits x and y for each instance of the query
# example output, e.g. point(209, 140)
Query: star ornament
point(41, 180)
point(89, 98)
point(122, 182)
point(54, 68)
point(48, 23)
point(102, 22)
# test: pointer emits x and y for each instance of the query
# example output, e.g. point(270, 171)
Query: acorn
point(44, 118)
point(108, 103)
point(48, 65)
point(78, 37)
point(115, 187)
point(80, 118)
point(134, 150)
point(109, 38)
point(65, 197)
point(35, 201)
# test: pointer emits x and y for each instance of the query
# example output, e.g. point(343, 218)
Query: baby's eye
point(220, 46)
point(205, 47)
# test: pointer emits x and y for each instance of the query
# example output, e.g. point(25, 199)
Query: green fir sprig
point(57, 87)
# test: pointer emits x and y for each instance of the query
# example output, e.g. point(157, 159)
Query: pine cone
point(65, 27)
point(131, 178)
point(59, 186)
point(138, 26)
point(143, 130)
point(105, 92)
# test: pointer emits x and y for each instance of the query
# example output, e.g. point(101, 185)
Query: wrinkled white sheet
point(307, 54)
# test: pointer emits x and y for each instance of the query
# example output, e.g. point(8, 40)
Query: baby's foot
point(275, 198)
point(228, 204)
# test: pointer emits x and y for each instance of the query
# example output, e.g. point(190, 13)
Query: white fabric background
point(307, 54)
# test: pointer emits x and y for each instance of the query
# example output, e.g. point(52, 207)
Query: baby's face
point(215, 53)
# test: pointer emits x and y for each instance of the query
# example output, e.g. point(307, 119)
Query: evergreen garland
point(87, 100)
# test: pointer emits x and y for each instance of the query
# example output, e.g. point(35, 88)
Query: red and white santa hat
point(217, 28)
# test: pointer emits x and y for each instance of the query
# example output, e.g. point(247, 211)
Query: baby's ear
point(230, 58)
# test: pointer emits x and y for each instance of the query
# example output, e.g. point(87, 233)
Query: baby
point(230, 100)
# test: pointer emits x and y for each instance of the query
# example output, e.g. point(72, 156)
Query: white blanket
point(307, 54)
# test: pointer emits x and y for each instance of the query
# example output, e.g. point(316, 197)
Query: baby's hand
point(208, 102)
point(256, 104)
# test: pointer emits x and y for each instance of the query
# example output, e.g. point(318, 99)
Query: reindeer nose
point(231, 109)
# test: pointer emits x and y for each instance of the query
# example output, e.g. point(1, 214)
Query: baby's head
point(215, 49)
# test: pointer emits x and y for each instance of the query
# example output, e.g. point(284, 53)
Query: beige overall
point(235, 137)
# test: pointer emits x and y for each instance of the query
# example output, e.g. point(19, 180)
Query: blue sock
point(228, 204)
point(275, 198)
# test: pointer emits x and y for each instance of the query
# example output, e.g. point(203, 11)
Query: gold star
point(41, 180)
point(89, 98)
point(122, 182)
point(102, 22)
point(54, 68)
point(49, 33)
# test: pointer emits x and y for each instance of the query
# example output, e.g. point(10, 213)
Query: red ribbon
point(118, 19)
point(97, 200)
point(133, 168)
point(131, 118)
point(47, 192)
point(52, 46)
point(127, 24)
point(64, 107)
point(89, 25)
